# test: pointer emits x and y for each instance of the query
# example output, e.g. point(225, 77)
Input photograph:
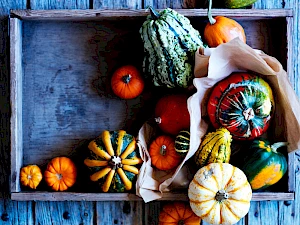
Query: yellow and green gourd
point(264, 166)
point(112, 160)
point(214, 148)
point(182, 142)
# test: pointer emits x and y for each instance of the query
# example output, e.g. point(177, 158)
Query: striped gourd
point(112, 161)
point(170, 43)
point(182, 142)
point(214, 148)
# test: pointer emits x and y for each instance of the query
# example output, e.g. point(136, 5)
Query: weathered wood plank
point(16, 213)
point(117, 4)
point(16, 84)
point(176, 4)
point(270, 4)
point(108, 13)
point(54, 4)
point(266, 209)
point(119, 213)
point(152, 211)
point(67, 213)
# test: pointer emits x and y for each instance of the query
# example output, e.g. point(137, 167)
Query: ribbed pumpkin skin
point(113, 167)
point(264, 167)
point(182, 142)
point(170, 43)
point(177, 213)
point(220, 194)
point(214, 148)
point(243, 103)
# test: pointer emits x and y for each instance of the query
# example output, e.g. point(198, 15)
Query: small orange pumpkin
point(31, 176)
point(222, 30)
point(60, 173)
point(127, 82)
point(163, 154)
point(178, 213)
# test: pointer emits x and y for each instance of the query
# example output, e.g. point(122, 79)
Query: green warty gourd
point(170, 43)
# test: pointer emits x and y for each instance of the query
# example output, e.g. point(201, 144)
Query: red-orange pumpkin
point(127, 82)
point(178, 213)
point(171, 113)
point(221, 30)
point(163, 154)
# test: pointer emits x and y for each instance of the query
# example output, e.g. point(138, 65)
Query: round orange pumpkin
point(60, 174)
point(222, 30)
point(163, 154)
point(127, 82)
point(171, 113)
point(178, 213)
point(31, 176)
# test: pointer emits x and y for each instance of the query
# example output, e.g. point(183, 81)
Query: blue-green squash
point(170, 43)
point(112, 160)
point(264, 166)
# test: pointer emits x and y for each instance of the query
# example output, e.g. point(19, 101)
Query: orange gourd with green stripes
point(112, 161)
point(265, 166)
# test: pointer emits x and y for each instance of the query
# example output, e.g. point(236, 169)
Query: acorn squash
point(112, 160)
point(265, 166)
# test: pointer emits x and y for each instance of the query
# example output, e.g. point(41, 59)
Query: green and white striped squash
point(182, 142)
point(214, 148)
point(170, 43)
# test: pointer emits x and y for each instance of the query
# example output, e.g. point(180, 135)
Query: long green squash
point(170, 43)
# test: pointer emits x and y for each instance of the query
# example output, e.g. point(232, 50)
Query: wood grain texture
point(16, 213)
point(65, 213)
point(119, 213)
point(112, 4)
point(152, 211)
point(54, 4)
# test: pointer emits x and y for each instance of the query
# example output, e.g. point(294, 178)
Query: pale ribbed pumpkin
point(215, 147)
point(220, 194)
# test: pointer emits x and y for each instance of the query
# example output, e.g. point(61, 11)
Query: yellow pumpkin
point(31, 176)
point(220, 193)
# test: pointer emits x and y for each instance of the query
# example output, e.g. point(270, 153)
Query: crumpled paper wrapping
point(211, 66)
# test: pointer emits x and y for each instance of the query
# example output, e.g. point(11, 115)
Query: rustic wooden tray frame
point(16, 68)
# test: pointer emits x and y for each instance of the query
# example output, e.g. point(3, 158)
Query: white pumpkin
point(220, 194)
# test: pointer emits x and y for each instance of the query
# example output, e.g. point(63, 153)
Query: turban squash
point(220, 194)
point(112, 159)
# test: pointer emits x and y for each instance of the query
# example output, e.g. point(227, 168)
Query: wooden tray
point(61, 63)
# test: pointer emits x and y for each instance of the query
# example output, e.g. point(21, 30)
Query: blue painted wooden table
point(136, 212)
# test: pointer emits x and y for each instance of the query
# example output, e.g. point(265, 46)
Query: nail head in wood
point(67, 215)
point(287, 203)
point(5, 217)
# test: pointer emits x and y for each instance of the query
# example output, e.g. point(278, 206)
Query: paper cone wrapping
point(211, 66)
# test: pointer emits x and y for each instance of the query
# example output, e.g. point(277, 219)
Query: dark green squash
point(170, 43)
point(112, 160)
point(264, 166)
point(182, 142)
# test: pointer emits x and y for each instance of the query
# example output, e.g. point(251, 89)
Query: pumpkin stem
point(59, 176)
point(157, 120)
point(163, 150)
point(277, 145)
point(126, 78)
point(210, 18)
point(221, 195)
point(155, 15)
point(181, 222)
point(115, 162)
point(248, 114)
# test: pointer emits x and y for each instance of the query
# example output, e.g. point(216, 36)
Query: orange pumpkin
point(60, 173)
point(163, 154)
point(178, 213)
point(31, 176)
point(222, 30)
point(127, 82)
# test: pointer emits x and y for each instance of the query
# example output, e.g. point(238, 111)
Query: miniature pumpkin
point(60, 174)
point(242, 103)
point(214, 148)
point(163, 154)
point(264, 166)
point(222, 29)
point(182, 142)
point(170, 43)
point(127, 82)
point(220, 194)
point(31, 176)
point(171, 113)
point(112, 160)
point(178, 213)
